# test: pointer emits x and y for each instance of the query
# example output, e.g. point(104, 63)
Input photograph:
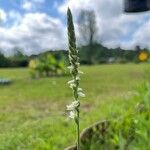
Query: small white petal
point(72, 85)
point(81, 94)
point(80, 72)
point(80, 90)
point(71, 81)
point(72, 114)
point(73, 105)
point(78, 64)
point(78, 78)
point(74, 56)
point(70, 67)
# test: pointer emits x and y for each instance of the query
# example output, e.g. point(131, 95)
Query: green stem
point(74, 61)
point(78, 129)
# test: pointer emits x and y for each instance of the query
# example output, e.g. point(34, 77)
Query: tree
point(3, 60)
point(87, 30)
point(18, 59)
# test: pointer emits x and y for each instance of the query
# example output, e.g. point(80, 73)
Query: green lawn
point(32, 112)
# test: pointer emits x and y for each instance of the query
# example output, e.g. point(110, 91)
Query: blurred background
point(114, 55)
point(105, 34)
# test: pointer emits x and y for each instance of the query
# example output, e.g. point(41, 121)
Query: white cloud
point(35, 32)
point(3, 15)
point(142, 36)
point(114, 25)
point(30, 5)
point(27, 5)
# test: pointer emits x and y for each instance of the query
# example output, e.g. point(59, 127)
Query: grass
point(32, 112)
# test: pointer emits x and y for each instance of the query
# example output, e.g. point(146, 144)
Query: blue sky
point(38, 25)
point(16, 4)
point(46, 6)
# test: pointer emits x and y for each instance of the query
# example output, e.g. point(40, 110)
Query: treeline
point(17, 60)
point(21, 60)
point(92, 53)
point(97, 54)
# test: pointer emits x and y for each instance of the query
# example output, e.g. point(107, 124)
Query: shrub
point(47, 65)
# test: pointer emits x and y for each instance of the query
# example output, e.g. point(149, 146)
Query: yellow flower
point(32, 64)
point(143, 56)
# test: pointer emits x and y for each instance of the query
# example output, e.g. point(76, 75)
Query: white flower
point(81, 94)
point(80, 72)
point(78, 64)
point(72, 109)
point(71, 81)
point(80, 90)
point(72, 114)
point(78, 78)
point(72, 85)
point(74, 56)
point(73, 106)
point(70, 68)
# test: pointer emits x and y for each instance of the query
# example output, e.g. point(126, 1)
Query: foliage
point(46, 65)
point(33, 111)
point(17, 60)
point(87, 30)
point(128, 132)
point(3, 61)
point(100, 54)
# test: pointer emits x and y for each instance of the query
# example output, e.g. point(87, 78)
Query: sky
point(39, 25)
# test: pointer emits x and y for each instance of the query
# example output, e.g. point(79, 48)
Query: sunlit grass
point(32, 112)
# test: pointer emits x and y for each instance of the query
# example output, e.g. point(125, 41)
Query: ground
point(32, 112)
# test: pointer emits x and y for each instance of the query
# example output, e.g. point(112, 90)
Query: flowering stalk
point(73, 109)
